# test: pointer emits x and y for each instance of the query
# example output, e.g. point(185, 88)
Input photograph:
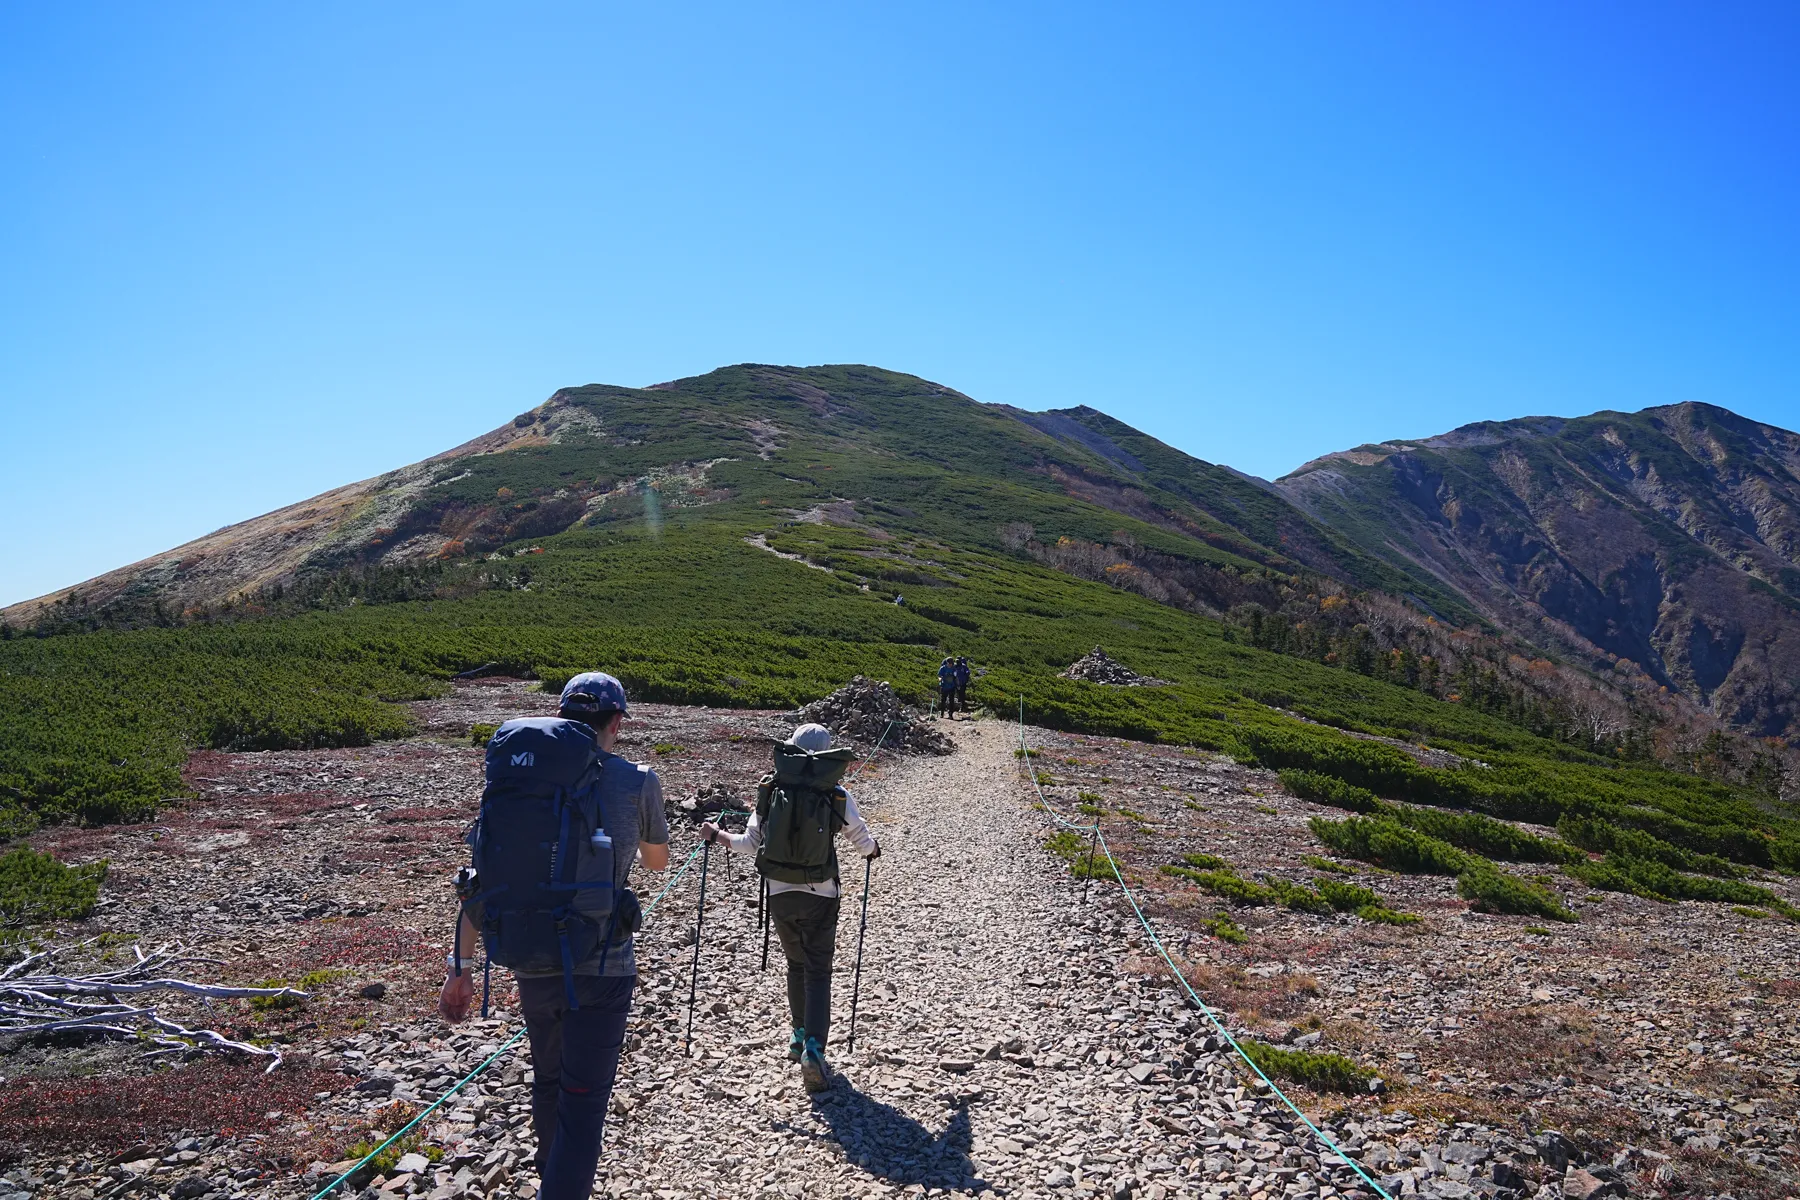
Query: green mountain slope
point(1668, 538)
point(743, 539)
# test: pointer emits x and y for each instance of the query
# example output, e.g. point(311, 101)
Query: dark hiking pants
point(947, 700)
point(807, 927)
point(574, 1057)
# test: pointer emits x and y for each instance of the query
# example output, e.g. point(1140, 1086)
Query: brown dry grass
point(117, 1111)
point(1534, 1042)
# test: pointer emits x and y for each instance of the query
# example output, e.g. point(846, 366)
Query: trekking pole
point(765, 922)
point(699, 929)
point(856, 988)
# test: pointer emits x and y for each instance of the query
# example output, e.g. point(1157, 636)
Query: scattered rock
point(373, 990)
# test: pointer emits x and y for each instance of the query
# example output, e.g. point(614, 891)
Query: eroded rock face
point(1668, 537)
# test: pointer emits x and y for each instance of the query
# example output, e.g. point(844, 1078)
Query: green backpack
point(800, 809)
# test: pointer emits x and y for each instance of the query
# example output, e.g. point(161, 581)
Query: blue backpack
point(547, 891)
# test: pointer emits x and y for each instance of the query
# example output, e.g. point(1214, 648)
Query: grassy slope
point(95, 726)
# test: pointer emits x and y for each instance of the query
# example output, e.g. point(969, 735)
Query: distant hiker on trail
point(562, 820)
point(962, 685)
point(800, 809)
point(947, 688)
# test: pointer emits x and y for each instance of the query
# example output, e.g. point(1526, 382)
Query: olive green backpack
point(800, 809)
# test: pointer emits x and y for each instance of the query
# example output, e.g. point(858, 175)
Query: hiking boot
point(814, 1074)
point(797, 1045)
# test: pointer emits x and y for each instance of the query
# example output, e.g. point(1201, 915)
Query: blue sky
point(250, 252)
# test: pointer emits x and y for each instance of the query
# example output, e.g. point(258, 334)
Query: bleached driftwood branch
point(34, 1001)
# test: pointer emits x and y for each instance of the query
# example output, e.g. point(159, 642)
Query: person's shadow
point(890, 1145)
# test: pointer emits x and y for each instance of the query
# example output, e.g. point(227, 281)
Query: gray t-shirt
point(627, 825)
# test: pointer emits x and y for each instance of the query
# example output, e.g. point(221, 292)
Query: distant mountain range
point(1669, 538)
point(1658, 549)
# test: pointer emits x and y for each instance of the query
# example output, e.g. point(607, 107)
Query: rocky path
point(997, 1049)
point(1014, 1039)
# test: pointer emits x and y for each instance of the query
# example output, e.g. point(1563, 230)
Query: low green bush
point(1073, 849)
point(1329, 789)
point(1491, 890)
point(1204, 862)
point(481, 733)
point(35, 888)
point(1382, 915)
point(1223, 883)
point(1321, 1072)
point(1298, 898)
point(1325, 864)
point(1658, 881)
point(1221, 926)
point(1346, 897)
point(1387, 843)
point(1483, 835)
point(1604, 837)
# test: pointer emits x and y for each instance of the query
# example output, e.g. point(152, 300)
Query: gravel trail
point(995, 1050)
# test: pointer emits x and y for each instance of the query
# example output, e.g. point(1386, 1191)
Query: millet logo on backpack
point(526, 759)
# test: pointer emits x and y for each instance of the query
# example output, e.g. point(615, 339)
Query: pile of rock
point(1096, 667)
point(706, 804)
point(861, 711)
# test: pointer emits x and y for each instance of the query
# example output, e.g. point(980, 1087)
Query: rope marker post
point(699, 932)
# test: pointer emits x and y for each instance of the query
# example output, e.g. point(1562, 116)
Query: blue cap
point(592, 693)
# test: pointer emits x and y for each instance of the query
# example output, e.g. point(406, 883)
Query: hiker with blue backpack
point(801, 808)
point(562, 821)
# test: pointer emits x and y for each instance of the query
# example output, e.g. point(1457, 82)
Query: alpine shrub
point(1221, 926)
point(1386, 916)
point(1658, 881)
point(1387, 843)
point(1491, 890)
point(1346, 897)
point(1485, 836)
point(1604, 837)
point(1074, 850)
point(35, 887)
point(1329, 789)
point(1321, 1072)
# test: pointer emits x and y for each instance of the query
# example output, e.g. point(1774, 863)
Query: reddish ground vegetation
point(118, 1111)
point(358, 941)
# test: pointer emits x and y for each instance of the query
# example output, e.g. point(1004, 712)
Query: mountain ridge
point(1665, 541)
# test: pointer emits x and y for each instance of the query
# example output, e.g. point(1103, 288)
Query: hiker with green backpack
point(800, 810)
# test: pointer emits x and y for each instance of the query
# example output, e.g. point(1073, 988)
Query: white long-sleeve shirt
point(750, 841)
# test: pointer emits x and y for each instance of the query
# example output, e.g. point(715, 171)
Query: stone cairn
point(1096, 667)
point(860, 711)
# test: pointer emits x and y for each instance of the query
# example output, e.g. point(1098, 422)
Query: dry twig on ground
point(35, 1001)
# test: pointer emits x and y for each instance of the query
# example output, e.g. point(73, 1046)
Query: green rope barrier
point(1156, 941)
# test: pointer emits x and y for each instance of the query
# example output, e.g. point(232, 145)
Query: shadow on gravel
point(892, 1146)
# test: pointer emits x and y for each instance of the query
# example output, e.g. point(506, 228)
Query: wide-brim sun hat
point(810, 738)
point(592, 693)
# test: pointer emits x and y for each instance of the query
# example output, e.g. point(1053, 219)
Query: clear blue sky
point(249, 252)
